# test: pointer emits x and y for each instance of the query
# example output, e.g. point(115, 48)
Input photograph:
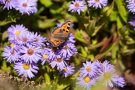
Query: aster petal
point(77, 6)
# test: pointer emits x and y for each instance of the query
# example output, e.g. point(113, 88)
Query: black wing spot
point(67, 30)
point(61, 30)
point(61, 41)
point(68, 27)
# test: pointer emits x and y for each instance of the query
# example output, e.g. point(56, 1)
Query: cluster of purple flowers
point(23, 6)
point(61, 56)
point(27, 48)
point(131, 5)
point(80, 5)
point(93, 72)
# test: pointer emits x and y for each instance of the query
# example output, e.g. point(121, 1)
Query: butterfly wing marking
point(60, 34)
point(56, 41)
point(64, 29)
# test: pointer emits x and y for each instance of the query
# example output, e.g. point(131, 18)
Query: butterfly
point(60, 34)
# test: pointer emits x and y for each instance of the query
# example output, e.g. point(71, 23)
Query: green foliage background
point(99, 33)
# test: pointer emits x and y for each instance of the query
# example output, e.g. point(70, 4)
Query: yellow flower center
point(24, 39)
point(30, 51)
point(59, 60)
point(66, 47)
point(107, 76)
point(24, 5)
point(8, 1)
point(13, 52)
point(65, 69)
point(96, 0)
point(134, 1)
point(77, 4)
point(87, 79)
point(12, 45)
point(26, 66)
point(36, 39)
point(88, 68)
point(17, 32)
point(45, 56)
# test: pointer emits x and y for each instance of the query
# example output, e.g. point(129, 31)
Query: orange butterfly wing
point(64, 29)
point(55, 41)
point(59, 35)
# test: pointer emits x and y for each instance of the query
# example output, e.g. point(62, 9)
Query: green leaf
point(97, 28)
point(46, 23)
point(61, 87)
point(109, 9)
point(46, 3)
point(91, 57)
point(83, 52)
point(119, 23)
point(91, 27)
point(4, 35)
point(113, 16)
point(114, 52)
point(5, 22)
point(122, 10)
point(47, 78)
point(5, 67)
point(79, 36)
point(57, 9)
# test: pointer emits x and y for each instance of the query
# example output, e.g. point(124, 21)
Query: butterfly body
point(60, 34)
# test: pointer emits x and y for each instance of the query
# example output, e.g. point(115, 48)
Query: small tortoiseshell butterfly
point(60, 34)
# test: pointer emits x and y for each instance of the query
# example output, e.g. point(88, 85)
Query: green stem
point(88, 9)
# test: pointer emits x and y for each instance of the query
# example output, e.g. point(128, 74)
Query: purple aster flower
point(38, 40)
point(131, 5)
point(132, 21)
point(26, 6)
point(9, 4)
point(15, 31)
point(14, 46)
point(25, 69)
point(68, 70)
point(119, 81)
point(109, 76)
point(86, 82)
point(10, 54)
point(58, 62)
point(71, 38)
point(107, 66)
point(59, 24)
point(47, 55)
point(77, 6)
point(67, 50)
point(97, 3)
point(30, 53)
point(25, 38)
point(89, 69)
point(1, 1)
